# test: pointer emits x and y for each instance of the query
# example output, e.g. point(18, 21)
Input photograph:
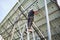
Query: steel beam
point(47, 19)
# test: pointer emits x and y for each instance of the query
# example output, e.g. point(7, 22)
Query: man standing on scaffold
point(31, 18)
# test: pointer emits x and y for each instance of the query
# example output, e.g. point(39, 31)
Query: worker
point(31, 18)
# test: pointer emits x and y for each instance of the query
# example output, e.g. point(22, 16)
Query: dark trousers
point(30, 21)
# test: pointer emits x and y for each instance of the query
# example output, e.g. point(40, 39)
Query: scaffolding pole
point(13, 30)
point(28, 38)
point(47, 19)
point(33, 34)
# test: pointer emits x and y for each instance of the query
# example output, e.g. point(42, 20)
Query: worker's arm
point(36, 12)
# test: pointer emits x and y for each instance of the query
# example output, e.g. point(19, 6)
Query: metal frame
point(40, 34)
point(47, 19)
point(22, 12)
point(33, 34)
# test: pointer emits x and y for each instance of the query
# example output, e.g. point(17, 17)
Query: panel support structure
point(47, 19)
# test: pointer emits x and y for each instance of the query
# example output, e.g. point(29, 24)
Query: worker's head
point(35, 11)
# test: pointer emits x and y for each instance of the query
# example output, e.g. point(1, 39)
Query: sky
point(5, 7)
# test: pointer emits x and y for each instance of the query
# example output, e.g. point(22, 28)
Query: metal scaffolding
point(48, 25)
point(34, 27)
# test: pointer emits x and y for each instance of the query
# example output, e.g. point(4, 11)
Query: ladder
point(40, 34)
point(28, 34)
point(35, 29)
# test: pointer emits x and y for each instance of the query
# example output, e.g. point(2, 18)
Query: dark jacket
point(31, 13)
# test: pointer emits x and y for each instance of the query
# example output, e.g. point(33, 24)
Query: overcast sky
point(5, 7)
